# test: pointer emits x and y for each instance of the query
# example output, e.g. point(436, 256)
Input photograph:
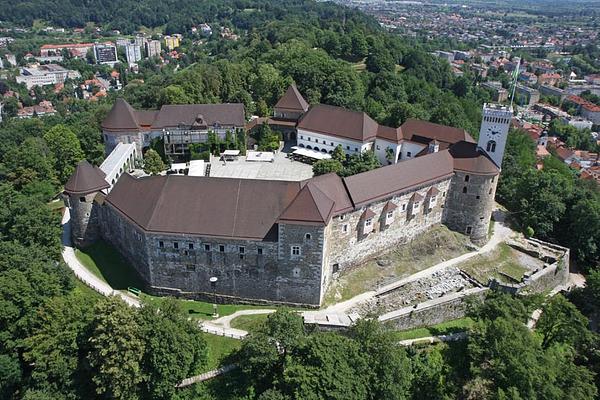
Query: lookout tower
point(81, 189)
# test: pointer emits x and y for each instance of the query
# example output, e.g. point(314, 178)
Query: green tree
point(323, 167)
point(174, 348)
point(66, 151)
point(339, 154)
point(153, 164)
point(116, 350)
point(561, 322)
point(173, 94)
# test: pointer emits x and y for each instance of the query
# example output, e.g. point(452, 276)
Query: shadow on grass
point(104, 261)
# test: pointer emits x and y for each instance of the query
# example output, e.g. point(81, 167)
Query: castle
point(282, 241)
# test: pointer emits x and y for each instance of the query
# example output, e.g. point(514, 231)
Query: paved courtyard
point(282, 168)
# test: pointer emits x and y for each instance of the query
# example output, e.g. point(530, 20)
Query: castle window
point(241, 256)
point(347, 147)
point(465, 189)
point(175, 245)
point(467, 177)
point(345, 228)
point(190, 267)
point(342, 217)
point(301, 137)
point(368, 222)
point(295, 250)
point(378, 147)
point(390, 215)
point(336, 268)
point(493, 179)
point(490, 192)
point(308, 236)
point(408, 154)
point(186, 253)
point(331, 143)
point(222, 248)
point(469, 230)
point(259, 250)
point(477, 197)
point(403, 207)
point(308, 138)
point(191, 246)
point(207, 247)
point(82, 199)
point(491, 146)
point(161, 244)
point(242, 249)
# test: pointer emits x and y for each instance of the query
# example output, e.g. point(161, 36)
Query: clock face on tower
point(493, 131)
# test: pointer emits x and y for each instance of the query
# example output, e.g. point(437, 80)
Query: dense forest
point(60, 341)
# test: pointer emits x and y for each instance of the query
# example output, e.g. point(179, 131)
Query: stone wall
point(554, 273)
point(469, 205)
point(247, 270)
point(84, 219)
point(434, 311)
point(348, 245)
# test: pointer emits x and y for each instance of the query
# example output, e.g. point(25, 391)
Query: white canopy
point(317, 155)
point(231, 153)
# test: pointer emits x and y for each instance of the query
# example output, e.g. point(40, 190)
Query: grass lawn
point(249, 323)
point(219, 347)
point(456, 325)
point(503, 263)
point(424, 251)
point(107, 264)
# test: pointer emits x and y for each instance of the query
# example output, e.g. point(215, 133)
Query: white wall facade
point(329, 143)
point(380, 147)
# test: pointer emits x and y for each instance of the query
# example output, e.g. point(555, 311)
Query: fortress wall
point(352, 247)
point(243, 275)
point(84, 219)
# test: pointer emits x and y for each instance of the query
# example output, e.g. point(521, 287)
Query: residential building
point(106, 53)
point(153, 48)
point(133, 53)
point(48, 74)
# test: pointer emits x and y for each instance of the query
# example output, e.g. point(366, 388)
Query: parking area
point(282, 168)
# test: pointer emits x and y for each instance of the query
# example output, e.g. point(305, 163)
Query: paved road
point(81, 272)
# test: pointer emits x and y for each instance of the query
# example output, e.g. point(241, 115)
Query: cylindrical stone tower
point(81, 189)
point(469, 204)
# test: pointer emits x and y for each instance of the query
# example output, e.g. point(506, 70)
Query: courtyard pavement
point(283, 169)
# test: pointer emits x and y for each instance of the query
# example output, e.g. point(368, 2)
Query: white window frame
point(295, 251)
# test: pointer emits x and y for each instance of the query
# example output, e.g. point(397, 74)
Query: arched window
point(467, 178)
point(301, 145)
point(491, 146)
point(308, 236)
point(316, 148)
point(465, 189)
point(309, 147)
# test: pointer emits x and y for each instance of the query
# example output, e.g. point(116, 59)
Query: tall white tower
point(494, 131)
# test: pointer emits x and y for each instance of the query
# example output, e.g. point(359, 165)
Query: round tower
point(470, 203)
point(81, 190)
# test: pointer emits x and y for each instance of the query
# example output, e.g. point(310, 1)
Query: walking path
point(339, 311)
point(207, 375)
point(81, 272)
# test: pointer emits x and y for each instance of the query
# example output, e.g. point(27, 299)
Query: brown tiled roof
point(86, 179)
point(384, 182)
point(389, 206)
point(340, 122)
point(229, 114)
point(429, 130)
point(433, 191)
point(333, 187)
point(367, 214)
point(292, 100)
point(145, 118)
point(563, 153)
point(121, 117)
point(416, 197)
point(468, 159)
point(390, 134)
point(310, 207)
point(215, 207)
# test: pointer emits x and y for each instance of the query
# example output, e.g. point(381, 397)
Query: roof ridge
point(159, 200)
point(312, 186)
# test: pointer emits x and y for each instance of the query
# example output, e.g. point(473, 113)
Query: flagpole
point(515, 78)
